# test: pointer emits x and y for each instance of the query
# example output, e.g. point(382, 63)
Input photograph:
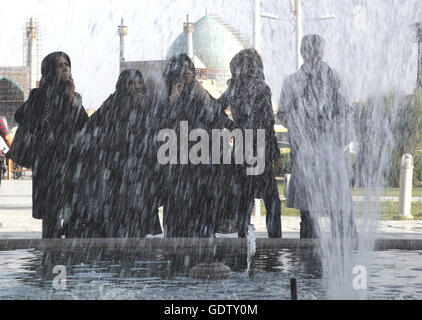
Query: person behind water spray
point(193, 190)
point(114, 155)
point(313, 110)
point(249, 98)
point(53, 113)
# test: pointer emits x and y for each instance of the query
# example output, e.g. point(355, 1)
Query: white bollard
point(286, 184)
point(406, 175)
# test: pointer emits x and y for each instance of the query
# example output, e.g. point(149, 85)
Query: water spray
point(251, 250)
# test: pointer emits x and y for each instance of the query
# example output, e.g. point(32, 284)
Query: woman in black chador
point(192, 201)
point(53, 113)
point(117, 186)
point(250, 101)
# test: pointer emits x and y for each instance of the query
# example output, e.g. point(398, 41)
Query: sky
point(371, 44)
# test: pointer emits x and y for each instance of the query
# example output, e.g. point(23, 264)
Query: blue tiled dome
point(214, 43)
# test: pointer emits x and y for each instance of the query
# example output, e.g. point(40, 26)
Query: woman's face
point(187, 75)
point(136, 88)
point(63, 72)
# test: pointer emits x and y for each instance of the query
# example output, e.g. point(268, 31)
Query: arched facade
point(11, 97)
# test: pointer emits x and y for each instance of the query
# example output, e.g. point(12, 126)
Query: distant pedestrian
point(7, 138)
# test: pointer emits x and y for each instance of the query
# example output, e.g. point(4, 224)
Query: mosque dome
point(214, 43)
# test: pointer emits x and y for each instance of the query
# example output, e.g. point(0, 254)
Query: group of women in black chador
point(101, 173)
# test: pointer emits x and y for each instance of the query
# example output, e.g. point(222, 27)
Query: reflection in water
point(104, 274)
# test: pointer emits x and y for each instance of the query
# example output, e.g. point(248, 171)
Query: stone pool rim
point(178, 245)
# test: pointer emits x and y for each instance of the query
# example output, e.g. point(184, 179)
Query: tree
point(387, 127)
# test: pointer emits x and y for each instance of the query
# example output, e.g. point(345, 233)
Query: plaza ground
point(17, 222)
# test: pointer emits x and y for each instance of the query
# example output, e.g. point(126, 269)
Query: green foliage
point(408, 132)
point(286, 163)
point(395, 115)
point(417, 171)
point(387, 211)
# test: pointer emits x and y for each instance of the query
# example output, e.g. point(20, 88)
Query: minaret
point(122, 31)
point(31, 36)
point(297, 10)
point(188, 29)
point(257, 26)
point(419, 40)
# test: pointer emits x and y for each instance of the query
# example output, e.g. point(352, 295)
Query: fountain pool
point(157, 269)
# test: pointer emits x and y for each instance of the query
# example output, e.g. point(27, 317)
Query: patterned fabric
point(3, 128)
